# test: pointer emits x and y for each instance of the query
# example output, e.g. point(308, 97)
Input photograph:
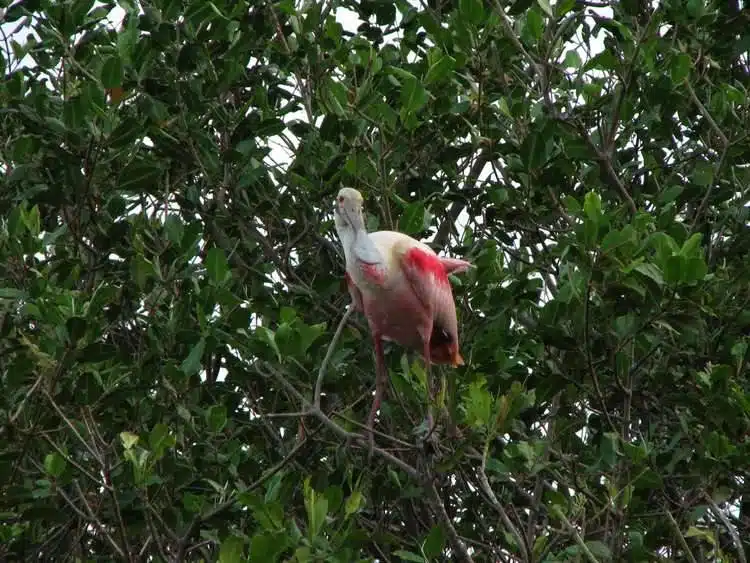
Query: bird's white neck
point(358, 246)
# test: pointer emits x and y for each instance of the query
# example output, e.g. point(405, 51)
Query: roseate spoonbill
point(402, 288)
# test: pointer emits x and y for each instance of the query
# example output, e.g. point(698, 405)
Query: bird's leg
point(381, 378)
point(430, 389)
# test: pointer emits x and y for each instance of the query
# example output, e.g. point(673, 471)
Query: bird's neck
point(359, 247)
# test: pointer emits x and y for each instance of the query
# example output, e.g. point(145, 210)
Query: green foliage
point(171, 280)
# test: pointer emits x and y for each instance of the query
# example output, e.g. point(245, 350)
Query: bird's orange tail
point(457, 359)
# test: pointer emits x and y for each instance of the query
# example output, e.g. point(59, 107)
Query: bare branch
point(719, 513)
point(329, 353)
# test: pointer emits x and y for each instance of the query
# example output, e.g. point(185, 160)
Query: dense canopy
point(171, 282)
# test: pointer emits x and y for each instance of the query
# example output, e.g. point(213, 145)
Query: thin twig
point(312, 410)
point(719, 513)
point(706, 114)
point(182, 545)
point(29, 393)
point(453, 536)
point(383, 435)
point(118, 513)
point(329, 353)
point(73, 428)
point(605, 160)
point(507, 24)
point(92, 517)
point(680, 538)
point(485, 485)
point(589, 358)
point(709, 190)
point(72, 461)
point(558, 513)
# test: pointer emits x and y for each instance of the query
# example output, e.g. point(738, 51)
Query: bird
point(401, 286)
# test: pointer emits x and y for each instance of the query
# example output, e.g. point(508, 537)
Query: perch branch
point(719, 513)
point(312, 410)
point(329, 353)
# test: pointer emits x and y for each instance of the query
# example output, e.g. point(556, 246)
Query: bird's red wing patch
point(427, 277)
point(425, 263)
point(372, 272)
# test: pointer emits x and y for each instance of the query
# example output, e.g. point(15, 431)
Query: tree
point(172, 282)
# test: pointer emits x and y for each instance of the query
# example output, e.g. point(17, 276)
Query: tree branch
point(329, 353)
point(728, 525)
point(312, 410)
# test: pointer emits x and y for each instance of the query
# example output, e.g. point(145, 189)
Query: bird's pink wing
point(426, 274)
point(454, 265)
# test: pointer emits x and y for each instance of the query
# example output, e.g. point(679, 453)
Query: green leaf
point(680, 67)
point(564, 6)
point(334, 96)
point(128, 439)
point(174, 229)
point(112, 72)
point(434, 543)
point(353, 503)
point(534, 24)
point(694, 269)
point(692, 246)
point(705, 535)
point(31, 219)
point(546, 8)
point(413, 95)
point(127, 39)
point(267, 546)
point(216, 417)
point(141, 271)
point(651, 271)
point(478, 404)
point(217, 265)
point(670, 193)
point(535, 150)
point(266, 335)
point(409, 556)
point(160, 439)
point(703, 174)
point(572, 59)
point(192, 502)
point(232, 549)
point(673, 270)
point(592, 206)
point(599, 549)
point(139, 176)
point(606, 61)
point(440, 69)
point(412, 219)
point(317, 508)
point(471, 11)
point(192, 364)
point(55, 464)
point(609, 449)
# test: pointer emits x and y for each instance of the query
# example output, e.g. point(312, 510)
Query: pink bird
point(402, 287)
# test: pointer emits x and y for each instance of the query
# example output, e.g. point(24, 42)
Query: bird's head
point(348, 210)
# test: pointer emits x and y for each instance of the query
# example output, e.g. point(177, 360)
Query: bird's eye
point(341, 199)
